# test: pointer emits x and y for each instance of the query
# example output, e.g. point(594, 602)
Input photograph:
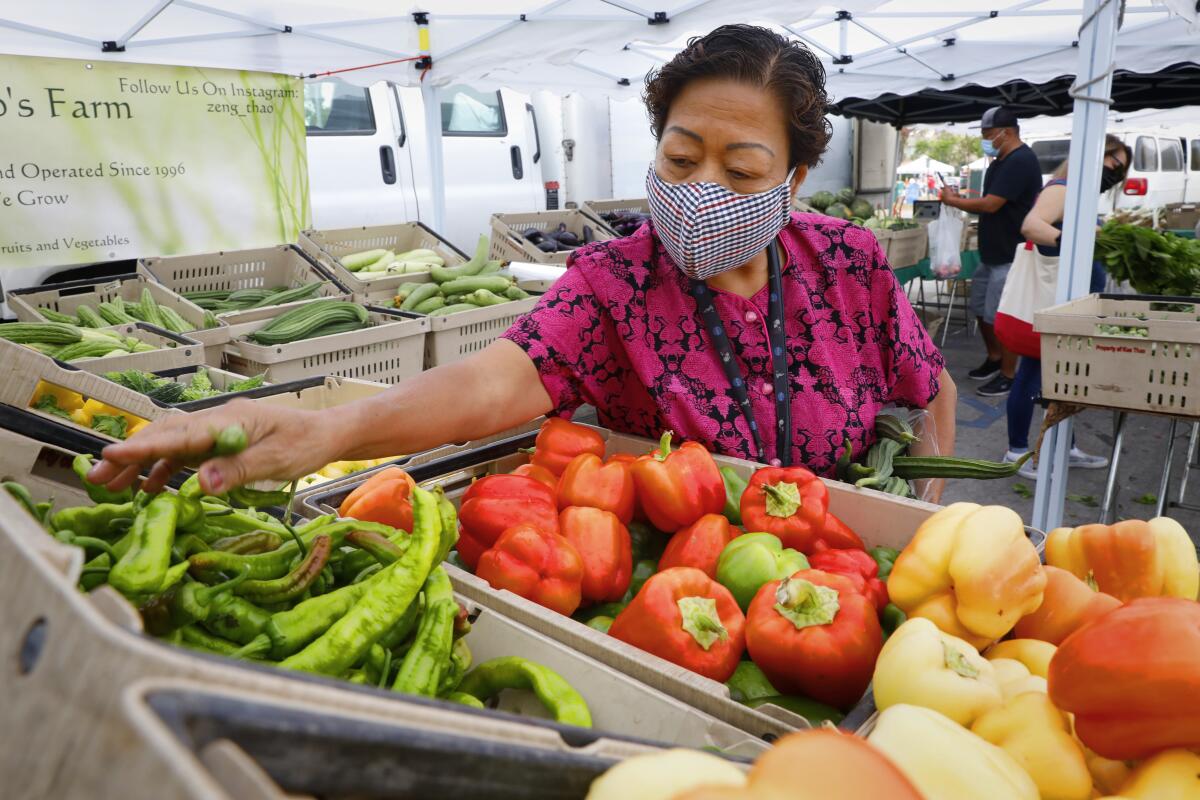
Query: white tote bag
point(1030, 287)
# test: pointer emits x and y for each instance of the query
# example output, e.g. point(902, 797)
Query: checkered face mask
point(708, 229)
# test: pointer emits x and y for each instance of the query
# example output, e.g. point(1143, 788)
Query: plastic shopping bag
point(945, 236)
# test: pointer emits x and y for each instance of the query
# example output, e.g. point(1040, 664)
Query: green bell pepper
point(735, 485)
point(749, 683)
point(885, 557)
point(816, 713)
point(891, 618)
point(754, 559)
point(642, 571)
point(646, 542)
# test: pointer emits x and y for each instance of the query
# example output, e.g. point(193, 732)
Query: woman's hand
point(282, 444)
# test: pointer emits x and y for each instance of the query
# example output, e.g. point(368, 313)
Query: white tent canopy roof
point(924, 164)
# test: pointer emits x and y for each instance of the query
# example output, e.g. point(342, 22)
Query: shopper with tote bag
point(1031, 287)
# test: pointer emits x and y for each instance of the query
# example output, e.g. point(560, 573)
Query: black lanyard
point(778, 341)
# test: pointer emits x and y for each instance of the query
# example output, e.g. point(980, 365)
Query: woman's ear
point(798, 178)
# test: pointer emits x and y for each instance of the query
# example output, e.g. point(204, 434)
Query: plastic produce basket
point(1133, 352)
point(262, 268)
point(389, 351)
point(67, 297)
point(330, 245)
point(907, 247)
point(453, 337)
point(1180, 216)
point(596, 208)
point(508, 244)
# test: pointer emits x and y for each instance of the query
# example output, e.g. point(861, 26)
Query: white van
point(1165, 168)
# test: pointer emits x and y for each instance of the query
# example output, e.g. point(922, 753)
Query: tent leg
point(1108, 508)
point(1164, 484)
point(433, 134)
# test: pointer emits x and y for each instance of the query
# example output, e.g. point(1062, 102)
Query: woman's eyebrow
point(748, 145)
point(685, 132)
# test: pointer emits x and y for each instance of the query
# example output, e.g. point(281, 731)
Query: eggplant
point(567, 238)
point(548, 246)
point(533, 235)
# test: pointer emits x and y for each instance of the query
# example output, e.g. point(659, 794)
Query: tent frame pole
point(1093, 88)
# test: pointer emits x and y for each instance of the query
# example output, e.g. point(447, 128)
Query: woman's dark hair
point(760, 57)
point(1112, 146)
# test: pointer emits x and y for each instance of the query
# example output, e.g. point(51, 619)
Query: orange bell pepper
point(385, 497)
point(818, 764)
point(536, 564)
point(1067, 604)
point(539, 474)
point(588, 481)
point(699, 545)
point(970, 570)
point(678, 488)
point(1132, 678)
point(560, 440)
point(1131, 559)
point(604, 544)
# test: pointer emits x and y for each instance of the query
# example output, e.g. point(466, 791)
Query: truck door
point(358, 170)
point(491, 154)
point(1192, 187)
point(1172, 178)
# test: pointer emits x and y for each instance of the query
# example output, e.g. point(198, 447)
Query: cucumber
point(452, 309)
point(419, 295)
point(430, 305)
point(356, 261)
point(498, 284)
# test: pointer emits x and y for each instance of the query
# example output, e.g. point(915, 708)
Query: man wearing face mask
point(1010, 187)
point(727, 319)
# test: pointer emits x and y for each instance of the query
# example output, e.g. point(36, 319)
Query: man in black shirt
point(1010, 188)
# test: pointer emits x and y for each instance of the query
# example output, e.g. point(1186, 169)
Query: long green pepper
point(296, 582)
point(143, 569)
point(348, 639)
point(512, 672)
point(427, 660)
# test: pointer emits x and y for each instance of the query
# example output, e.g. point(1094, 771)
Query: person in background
point(898, 196)
point(1010, 186)
point(1043, 227)
point(930, 185)
point(912, 193)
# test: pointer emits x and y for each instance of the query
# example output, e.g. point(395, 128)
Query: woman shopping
point(727, 319)
point(1043, 229)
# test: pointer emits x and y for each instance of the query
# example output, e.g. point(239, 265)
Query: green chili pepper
point(891, 618)
point(512, 672)
point(91, 543)
point(190, 488)
point(400, 634)
point(143, 568)
point(463, 699)
point(460, 662)
point(600, 623)
point(229, 441)
point(98, 493)
point(198, 639)
point(236, 618)
point(187, 545)
point(885, 557)
point(735, 485)
point(277, 562)
point(245, 544)
point(603, 610)
point(296, 582)
point(22, 496)
point(385, 602)
point(183, 604)
point(231, 522)
point(449, 517)
point(245, 497)
point(816, 713)
point(358, 676)
point(427, 659)
point(91, 520)
point(843, 462)
point(378, 546)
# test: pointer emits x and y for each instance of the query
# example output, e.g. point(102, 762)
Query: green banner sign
point(102, 160)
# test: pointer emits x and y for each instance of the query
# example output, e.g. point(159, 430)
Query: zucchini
point(432, 304)
point(419, 295)
point(356, 261)
point(40, 333)
point(916, 467)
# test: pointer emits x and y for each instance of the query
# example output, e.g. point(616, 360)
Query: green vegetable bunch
point(1151, 261)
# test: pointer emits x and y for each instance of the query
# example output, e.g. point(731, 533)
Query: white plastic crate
point(508, 243)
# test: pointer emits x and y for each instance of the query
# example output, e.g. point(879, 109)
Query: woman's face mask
point(708, 229)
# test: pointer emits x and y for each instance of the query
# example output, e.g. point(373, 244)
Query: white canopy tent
point(923, 165)
point(901, 61)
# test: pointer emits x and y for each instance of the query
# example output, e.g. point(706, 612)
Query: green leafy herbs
point(1152, 262)
point(1146, 499)
point(48, 403)
point(1083, 500)
point(165, 390)
point(110, 425)
point(1022, 490)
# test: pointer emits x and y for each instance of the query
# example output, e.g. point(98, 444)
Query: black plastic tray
point(212, 402)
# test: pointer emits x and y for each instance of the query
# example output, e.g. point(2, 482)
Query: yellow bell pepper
point(1015, 678)
point(1033, 653)
point(920, 665)
point(945, 760)
point(1030, 729)
point(1130, 559)
point(1169, 775)
point(66, 399)
point(971, 570)
point(665, 774)
point(1107, 775)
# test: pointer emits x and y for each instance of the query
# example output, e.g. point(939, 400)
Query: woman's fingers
point(160, 473)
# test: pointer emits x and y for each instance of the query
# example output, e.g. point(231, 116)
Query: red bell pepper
point(560, 440)
point(687, 618)
point(539, 474)
point(699, 545)
point(1132, 678)
point(814, 634)
point(537, 565)
point(587, 481)
point(791, 503)
point(628, 459)
point(604, 544)
point(385, 497)
point(496, 503)
point(678, 488)
point(859, 567)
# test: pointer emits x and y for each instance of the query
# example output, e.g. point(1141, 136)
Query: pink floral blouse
point(621, 331)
